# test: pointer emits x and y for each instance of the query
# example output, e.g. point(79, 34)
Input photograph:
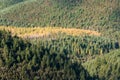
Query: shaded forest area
point(51, 59)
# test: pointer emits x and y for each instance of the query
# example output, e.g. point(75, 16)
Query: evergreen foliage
point(51, 59)
point(7, 3)
point(105, 67)
point(20, 59)
point(60, 56)
point(66, 13)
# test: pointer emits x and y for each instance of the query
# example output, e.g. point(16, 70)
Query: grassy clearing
point(47, 31)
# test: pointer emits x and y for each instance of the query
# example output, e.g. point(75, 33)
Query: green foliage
point(7, 22)
point(58, 58)
point(61, 57)
point(9, 47)
point(115, 16)
point(7, 3)
point(66, 13)
point(21, 60)
point(67, 3)
point(82, 45)
point(105, 67)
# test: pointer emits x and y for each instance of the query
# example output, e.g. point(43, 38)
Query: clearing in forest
point(46, 31)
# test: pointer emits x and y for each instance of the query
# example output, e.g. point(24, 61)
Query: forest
point(62, 58)
point(59, 40)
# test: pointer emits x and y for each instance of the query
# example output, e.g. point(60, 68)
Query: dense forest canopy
point(65, 13)
point(20, 59)
point(103, 68)
point(70, 53)
point(51, 59)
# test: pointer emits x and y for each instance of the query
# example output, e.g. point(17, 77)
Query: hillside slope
point(105, 67)
point(89, 14)
point(21, 60)
point(7, 3)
